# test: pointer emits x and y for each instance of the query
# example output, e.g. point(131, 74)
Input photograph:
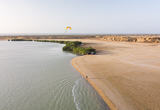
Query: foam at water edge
point(73, 94)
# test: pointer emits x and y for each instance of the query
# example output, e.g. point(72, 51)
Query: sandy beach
point(125, 74)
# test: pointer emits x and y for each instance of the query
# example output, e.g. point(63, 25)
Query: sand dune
point(127, 75)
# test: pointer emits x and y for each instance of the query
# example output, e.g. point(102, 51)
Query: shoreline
point(100, 92)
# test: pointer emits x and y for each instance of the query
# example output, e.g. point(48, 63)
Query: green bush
point(21, 40)
point(72, 46)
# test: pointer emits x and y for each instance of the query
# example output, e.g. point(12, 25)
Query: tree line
point(20, 40)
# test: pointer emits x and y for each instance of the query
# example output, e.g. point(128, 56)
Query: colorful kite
point(67, 28)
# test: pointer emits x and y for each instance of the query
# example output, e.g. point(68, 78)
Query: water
point(39, 76)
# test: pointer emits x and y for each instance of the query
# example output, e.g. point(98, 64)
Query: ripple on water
point(86, 97)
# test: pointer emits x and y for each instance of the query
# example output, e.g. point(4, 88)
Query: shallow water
point(39, 76)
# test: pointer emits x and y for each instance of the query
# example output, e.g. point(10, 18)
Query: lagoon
point(39, 76)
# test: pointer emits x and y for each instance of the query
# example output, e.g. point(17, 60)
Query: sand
point(125, 74)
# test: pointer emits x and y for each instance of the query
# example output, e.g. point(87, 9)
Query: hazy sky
point(84, 16)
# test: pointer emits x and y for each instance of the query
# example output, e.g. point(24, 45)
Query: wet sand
point(125, 74)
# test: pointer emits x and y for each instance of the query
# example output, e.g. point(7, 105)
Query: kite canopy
point(67, 28)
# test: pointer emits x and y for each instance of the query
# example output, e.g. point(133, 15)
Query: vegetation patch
point(73, 46)
point(20, 40)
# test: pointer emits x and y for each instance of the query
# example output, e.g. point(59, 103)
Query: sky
point(84, 16)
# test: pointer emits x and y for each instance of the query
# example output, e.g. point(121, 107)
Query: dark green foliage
point(42, 40)
point(73, 46)
point(81, 50)
point(21, 40)
point(61, 42)
point(70, 45)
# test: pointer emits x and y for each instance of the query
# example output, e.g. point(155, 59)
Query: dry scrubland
point(126, 74)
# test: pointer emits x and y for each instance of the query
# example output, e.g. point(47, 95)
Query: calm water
point(39, 76)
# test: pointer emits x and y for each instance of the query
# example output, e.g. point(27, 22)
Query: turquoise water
point(39, 76)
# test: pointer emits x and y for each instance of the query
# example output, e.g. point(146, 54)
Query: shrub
point(72, 46)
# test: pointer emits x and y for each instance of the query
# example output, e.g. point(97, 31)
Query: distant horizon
point(50, 34)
